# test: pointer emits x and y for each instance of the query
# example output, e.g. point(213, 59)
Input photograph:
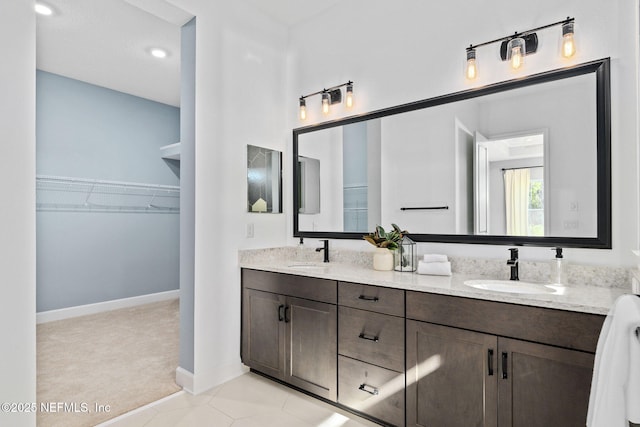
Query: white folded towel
point(435, 258)
point(615, 388)
point(434, 268)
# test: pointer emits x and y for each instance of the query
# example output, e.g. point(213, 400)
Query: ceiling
point(107, 42)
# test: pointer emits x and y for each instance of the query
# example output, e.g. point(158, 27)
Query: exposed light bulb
point(516, 57)
point(472, 69)
point(43, 9)
point(303, 109)
point(349, 100)
point(325, 103)
point(568, 43)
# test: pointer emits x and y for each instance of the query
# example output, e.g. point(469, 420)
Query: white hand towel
point(434, 268)
point(633, 385)
point(615, 386)
point(435, 258)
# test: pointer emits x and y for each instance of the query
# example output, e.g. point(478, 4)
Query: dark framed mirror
point(521, 162)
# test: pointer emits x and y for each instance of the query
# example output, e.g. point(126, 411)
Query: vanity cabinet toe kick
point(466, 361)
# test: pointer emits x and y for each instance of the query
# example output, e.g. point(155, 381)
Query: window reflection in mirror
point(264, 180)
point(510, 174)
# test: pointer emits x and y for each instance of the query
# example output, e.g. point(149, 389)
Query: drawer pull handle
point(365, 388)
point(366, 298)
point(505, 365)
point(280, 313)
point(490, 361)
point(368, 337)
point(287, 316)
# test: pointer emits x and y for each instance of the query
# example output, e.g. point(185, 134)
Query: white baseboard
point(184, 379)
point(196, 384)
point(83, 310)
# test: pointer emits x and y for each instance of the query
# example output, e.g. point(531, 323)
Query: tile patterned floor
point(247, 401)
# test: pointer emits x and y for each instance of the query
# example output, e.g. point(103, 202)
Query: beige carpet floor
point(124, 358)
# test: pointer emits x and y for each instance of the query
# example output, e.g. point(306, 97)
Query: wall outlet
point(249, 232)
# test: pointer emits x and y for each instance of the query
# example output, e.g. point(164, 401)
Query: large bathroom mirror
point(522, 162)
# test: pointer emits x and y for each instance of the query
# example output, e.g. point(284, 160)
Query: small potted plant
point(385, 242)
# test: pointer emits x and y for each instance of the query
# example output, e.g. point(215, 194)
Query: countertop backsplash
point(534, 271)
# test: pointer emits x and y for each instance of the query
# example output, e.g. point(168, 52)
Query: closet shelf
point(171, 151)
point(58, 193)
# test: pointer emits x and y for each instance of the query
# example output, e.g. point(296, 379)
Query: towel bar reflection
point(426, 208)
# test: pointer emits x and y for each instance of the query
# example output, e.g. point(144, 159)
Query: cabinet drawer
point(373, 298)
point(372, 390)
point(561, 328)
point(322, 290)
point(371, 337)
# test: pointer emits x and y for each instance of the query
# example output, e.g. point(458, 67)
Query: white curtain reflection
point(516, 186)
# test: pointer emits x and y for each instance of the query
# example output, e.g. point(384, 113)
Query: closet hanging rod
point(73, 180)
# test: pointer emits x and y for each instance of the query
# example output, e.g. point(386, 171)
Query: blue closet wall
point(86, 131)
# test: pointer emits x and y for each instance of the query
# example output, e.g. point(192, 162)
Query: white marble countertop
point(586, 299)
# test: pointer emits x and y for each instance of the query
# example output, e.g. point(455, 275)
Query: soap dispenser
point(558, 269)
point(300, 251)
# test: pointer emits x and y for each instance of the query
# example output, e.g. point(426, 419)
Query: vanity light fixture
point(303, 109)
point(330, 96)
point(568, 44)
point(514, 48)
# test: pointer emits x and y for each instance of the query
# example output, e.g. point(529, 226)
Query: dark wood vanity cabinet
point(483, 369)
point(420, 359)
point(289, 326)
point(371, 372)
point(451, 376)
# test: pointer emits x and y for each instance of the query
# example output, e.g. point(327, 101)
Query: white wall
point(402, 52)
point(17, 209)
point(240, 79)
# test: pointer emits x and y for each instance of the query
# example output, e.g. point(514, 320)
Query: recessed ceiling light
point(43, 9)
point(158, 53)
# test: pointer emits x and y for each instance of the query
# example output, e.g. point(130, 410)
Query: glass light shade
point(568, 42)
point(471, 70)
point(516, 51)
point(349, 98)
point(303, 109)
point(325, 103)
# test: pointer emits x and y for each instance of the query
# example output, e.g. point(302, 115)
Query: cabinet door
point(311, 355)
point(451, 377)
point(542, 386)
point(263, 335)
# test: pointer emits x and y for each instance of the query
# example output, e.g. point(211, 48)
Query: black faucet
point(324, 248)
point(513, 262)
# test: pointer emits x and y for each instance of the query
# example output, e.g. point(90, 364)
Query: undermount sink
point(514, 286)
point(305, 265)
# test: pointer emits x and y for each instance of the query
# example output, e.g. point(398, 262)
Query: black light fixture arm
point(524, 33)
point(327, 89)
